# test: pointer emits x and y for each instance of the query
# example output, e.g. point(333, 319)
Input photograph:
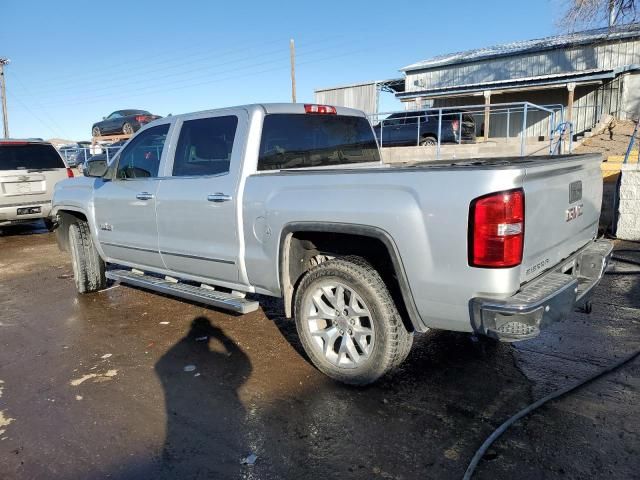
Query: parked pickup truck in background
point(292, 201)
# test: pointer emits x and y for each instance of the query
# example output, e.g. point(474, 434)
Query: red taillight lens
point(323, 109)
point(142, 118)
point(496, 230)
point(455, 124)
point(69, 173)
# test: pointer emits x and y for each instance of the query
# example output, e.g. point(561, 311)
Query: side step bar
point(225, 301)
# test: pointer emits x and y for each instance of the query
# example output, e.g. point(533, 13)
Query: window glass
point(296, 141)
point(115, 115)
point(29, 156)
point(395, 119)
point(412, 118)
point(204, 146)
point(141, 157)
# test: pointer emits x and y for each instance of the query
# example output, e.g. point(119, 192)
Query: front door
point(125, 207)
point(197, 205)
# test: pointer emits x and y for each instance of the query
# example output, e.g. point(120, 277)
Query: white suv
point(28, 172)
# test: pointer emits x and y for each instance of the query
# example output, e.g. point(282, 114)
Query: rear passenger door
point(198, 205)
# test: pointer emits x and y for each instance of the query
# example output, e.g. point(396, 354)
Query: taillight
point(69, 173)
point(142, 118)
point(325, 109)
point(455, 124)
point(496, 230)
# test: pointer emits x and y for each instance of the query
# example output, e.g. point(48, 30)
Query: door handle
point(219, 198)
point(144, 196)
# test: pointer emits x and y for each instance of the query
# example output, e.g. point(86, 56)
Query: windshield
point(29, 157)
point(295, 141)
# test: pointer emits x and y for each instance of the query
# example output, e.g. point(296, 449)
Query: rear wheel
point(428, 141)
point(88, 267)
point(127, 129)
point(95, 131)
point(348, 323)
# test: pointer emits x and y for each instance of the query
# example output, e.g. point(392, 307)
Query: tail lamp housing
point(69, 173)
point(496, 230)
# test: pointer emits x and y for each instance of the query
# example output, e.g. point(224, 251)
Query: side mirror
point(104, 118)
point(95, 168)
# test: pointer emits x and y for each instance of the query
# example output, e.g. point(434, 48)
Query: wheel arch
point(64, 218)
point(305, 244)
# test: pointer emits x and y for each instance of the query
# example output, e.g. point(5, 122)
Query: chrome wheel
point(340, 324)
point(127, 129)
point(95, 132)
point(428, 142)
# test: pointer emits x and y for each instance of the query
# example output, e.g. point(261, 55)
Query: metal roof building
point(587, 73)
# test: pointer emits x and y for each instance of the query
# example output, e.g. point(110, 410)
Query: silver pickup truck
point(293, 201)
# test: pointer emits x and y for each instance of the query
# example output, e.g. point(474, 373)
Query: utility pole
point(613, 13)
point(292, 49)
point(3, 94)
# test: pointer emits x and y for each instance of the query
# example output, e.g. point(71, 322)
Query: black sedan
point(122, 122)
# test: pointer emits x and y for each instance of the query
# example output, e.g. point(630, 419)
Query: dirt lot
point(95, 387)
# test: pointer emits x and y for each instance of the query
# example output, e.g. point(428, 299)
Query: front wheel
point(348, 323)
point(88, 267)
point(96, 131)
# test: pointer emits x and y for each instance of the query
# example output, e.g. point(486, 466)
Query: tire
point(365, 340)
point(428, 141)
point(49, 224)
point(88, 267)
point(95, 131)
point(127, 129)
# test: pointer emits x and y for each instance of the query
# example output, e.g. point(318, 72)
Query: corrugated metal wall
point(361, 97)
point(603, 56)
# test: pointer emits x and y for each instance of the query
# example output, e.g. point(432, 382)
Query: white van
point(28, 172)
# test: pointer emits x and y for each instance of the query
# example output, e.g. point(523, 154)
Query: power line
point(159, 88)
point(58, 129)
point(164, 65)
point(191, 85)
point(34, 115)
point(126, 78)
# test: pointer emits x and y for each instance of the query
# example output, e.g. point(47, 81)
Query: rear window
point(29, 157)
point(296, 141)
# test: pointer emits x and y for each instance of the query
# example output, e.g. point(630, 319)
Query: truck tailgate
point(562, 210)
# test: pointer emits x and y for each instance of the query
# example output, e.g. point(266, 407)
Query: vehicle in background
point(421, 128)
point(122, 122)
point(28, 172)
point(70, 154)
point(293, 201)
point(108, 152)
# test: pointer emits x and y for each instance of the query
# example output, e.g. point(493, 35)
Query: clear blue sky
point(73, 62)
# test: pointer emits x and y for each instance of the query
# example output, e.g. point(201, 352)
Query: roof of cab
point(23, 141)
point(269, 108)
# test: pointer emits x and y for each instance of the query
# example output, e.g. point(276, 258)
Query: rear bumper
point(547, 299)
point(9, 213)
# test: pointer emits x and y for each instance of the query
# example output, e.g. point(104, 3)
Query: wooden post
point(292, 50)
point(571, 88)
point(487, 113)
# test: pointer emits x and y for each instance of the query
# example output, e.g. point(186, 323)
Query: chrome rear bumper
point(549, 298)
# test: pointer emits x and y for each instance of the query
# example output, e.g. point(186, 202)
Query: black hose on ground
point(527, 410)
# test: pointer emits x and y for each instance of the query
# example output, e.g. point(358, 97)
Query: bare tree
point(589, 13)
